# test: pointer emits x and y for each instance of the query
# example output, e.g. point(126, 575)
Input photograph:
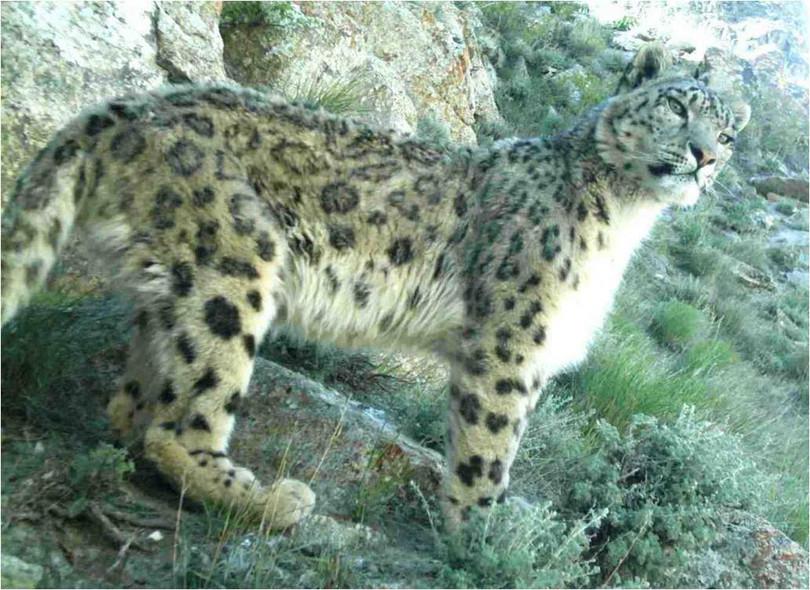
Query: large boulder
point(439, 72)
point(788, 186)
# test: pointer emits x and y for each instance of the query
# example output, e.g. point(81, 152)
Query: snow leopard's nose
point(703, 157)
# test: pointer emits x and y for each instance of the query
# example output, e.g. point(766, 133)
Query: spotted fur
point(218, 207)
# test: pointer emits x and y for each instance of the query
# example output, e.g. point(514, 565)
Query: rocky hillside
point(707, 347)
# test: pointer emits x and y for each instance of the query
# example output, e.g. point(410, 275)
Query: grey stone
point(189, 46)
point(16, 573)
point(793, 187)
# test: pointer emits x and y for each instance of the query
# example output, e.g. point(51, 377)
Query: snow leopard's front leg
point(489, 403)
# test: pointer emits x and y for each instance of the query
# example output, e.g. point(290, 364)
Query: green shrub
point(274, 14)
point(777, 130)
point(586, 37)
point(676, 324)
point(751, 251)
point(434, 131)
point(739, 214)
point(538, 93)
point(786, 207)
point(544, 57)
point(611, 60)
point(344, 96)
point(625, 23)
point(59, 345)
point(671, 489)
point(699, 261)
point(517, 547)
point(489, 131)
point(97, 473)
point(567, 10)
point(785, 258)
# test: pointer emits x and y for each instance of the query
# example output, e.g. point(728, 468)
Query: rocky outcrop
point(60, 57)
point(17, 573)
point(347, 450)
point(786, 186)
point(407, 60)
point(773, 559)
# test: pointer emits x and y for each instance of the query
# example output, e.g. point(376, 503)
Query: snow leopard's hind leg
point(133, 403)
point(206, 313)
point(216, 332)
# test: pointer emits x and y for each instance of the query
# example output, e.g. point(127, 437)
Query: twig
point(177, 525)
point(146, 522)
point(335, 434)
point(123, 555)
point(97, 514)
point(626, 555)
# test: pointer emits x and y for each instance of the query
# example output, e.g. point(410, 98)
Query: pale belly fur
point(406, 310)
point(579, 314)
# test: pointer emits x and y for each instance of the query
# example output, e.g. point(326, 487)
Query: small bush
point(778, 130)
point(625, 23)
point(611, 60)
point(274, 14)
point(344, 96)
point(786, 207)
point(434, 131)
point(517, 547)
point(539, 92)
point(671, 489)
point(751, 251)
point(586, 37)
point(676, 324)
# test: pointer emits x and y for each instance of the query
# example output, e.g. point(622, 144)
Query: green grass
point(531, 99)
point(48, 355)
point(676, 324)
point(625, 375)
point(343, 96)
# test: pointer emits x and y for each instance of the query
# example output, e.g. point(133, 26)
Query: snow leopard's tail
point(39, 216)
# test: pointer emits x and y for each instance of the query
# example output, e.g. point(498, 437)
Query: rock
point(323, 534)
point(363, 423)
point(441, 68)
point(788, 186)
point(16, 573)
point(355, 460)
point(189, 46)
point(775, 560)
point(800, 278)
point(786, 236)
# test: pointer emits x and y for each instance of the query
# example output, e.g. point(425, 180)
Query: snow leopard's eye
point(725, 139)
point(676, 107)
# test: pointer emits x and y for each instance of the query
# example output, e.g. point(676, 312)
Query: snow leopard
point(221, 211)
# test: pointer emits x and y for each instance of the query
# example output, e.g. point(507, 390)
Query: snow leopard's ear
point(648, 63)
point(742, 113)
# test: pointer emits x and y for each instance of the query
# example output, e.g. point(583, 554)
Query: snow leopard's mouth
point(662, 169)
